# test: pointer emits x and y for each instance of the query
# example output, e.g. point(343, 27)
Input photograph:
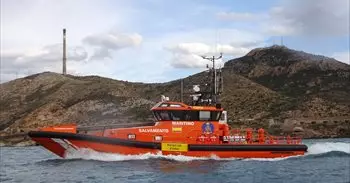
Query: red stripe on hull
point(109, 148)
point(51, 145)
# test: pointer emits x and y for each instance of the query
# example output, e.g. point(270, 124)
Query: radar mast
point(208, 94)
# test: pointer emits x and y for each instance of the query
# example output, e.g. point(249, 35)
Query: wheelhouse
point(171, 111)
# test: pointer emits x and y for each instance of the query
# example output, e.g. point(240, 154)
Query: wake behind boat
point(196, 130)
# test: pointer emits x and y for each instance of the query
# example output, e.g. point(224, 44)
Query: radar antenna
point(210, 94)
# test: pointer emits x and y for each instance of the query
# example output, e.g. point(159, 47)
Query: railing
point(101, 128)
point(248, 136)
point(110, 126)
point(283, 140)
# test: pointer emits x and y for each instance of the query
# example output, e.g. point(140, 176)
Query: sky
point(161, 40)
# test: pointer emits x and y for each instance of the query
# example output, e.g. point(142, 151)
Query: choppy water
point(327, 161)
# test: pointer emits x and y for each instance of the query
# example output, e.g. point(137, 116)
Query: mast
point(208, 93)
point(214, 92)
point(64, 60)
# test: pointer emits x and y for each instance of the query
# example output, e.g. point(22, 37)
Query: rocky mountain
point(316, 85)
point(280, 89)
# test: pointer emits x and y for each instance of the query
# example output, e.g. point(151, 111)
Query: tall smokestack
point(182, 90)
point(64, 52)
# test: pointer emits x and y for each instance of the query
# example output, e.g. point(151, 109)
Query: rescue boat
point(197, 130)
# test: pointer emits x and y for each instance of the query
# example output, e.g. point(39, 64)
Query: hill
point(280, 89)
point(316, 85)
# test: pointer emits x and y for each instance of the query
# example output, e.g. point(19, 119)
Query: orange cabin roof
point(181, 106)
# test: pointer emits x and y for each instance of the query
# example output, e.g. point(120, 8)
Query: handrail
point(109, 126)
point(237, 134)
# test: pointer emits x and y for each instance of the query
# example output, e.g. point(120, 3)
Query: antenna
point(64, 69)
point(216, 41)
point(222, 80)
point(214, 88)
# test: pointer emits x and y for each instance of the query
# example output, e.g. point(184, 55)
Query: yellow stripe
point(177, 129)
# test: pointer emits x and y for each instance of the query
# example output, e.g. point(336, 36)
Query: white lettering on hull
point(181, 123)
point(151, 130)
point(234, 138)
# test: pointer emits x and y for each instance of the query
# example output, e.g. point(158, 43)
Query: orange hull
point(180, 130)
point(59, 143)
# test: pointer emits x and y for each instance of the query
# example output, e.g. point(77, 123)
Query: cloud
point(187, 48)
point(47, 58)
point(235, 16)
point(311, 17)
point(342, 56)
point(299, 17)
point(204, 49)
point(47, 54)
point(189, 55)
point(188, 61)
point(28, 23)
point(106, 43)
point(168, 40)
point(29, 30)
point(192, 61)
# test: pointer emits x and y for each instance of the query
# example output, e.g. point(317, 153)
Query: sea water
point(327, 160)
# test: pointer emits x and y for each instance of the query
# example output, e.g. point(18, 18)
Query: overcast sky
point(161, 40)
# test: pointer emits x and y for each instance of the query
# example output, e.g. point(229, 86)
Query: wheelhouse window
point(176, 115)
point(204, 115)
point(184, 115)
point(164, 115)
point(216, 115)
point(191, 116)
point(157, 116)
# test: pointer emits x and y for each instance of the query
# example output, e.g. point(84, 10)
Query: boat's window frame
point(161, 116)
point(187, 115)
point(157, 116)
point(193, 117)
point(178, 114)
point(222, 117)
point(218, 115)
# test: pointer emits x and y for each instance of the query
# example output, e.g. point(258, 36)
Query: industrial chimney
point(64, 52)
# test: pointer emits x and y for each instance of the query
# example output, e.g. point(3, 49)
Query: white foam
point(325, 147)
point(88, 154)
point(317, 148)
point(269, 159)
